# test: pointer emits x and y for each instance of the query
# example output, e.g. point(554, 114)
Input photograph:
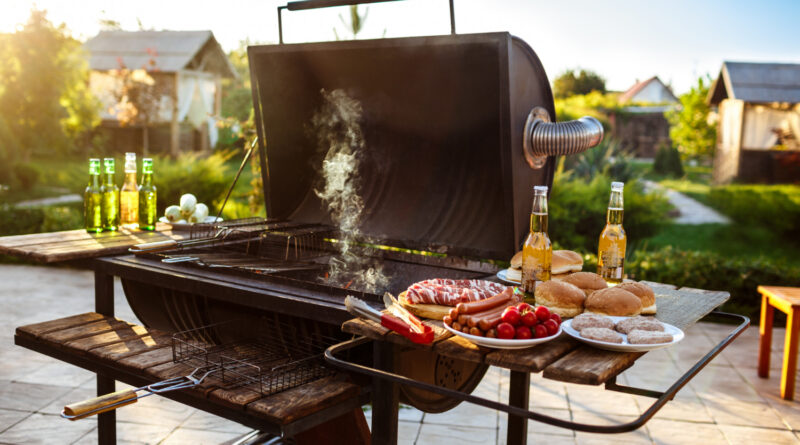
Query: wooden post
point(790, 352)
point(174, 128)
point(518, 392)
point(385, 397)
point(104, 304)
point(765, 334)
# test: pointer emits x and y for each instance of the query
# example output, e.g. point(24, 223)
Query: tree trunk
point(145, 140)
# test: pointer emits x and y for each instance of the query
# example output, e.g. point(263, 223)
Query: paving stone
point(596, 399)
point(200, 420)
point(689, 409)
point(723, 383)
point(744, 435)
point(71, 396)
point(10, 417)
point(537, 430)
point(465, 414)
point(60, 373)
point(434, 434)
point(136, 433)
point(407, 433)
point(731, 412)
point(45, 429)
point(640, 436)
point(28, 396)
point(671, 432)
point(154, 410)
point(185, 436)
point(409, 414)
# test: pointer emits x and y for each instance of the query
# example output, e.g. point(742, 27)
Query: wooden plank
point(592, 366)
point(132, 346)
point(118, 334)
point(147, 359)
point(287, 406)
point(37, 329)
point(86, 330)
point(367, 328)
point(80, 234)
point(236, 398)
point(533, 359)
point(461, 348)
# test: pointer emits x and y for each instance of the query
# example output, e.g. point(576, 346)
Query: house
point(185, 68)
point(640, 125)
point(759, 122)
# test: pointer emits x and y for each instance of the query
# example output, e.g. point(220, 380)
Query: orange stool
point(787, 300)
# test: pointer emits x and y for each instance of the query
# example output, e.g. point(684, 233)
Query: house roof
point(628, 96)
point(757, 83)
point(173, 51)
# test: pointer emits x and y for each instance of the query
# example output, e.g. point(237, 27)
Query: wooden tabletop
point(789, 295)
point(564, 358)
point(78, 244)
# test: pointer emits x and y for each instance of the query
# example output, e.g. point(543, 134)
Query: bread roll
point(644, 292)
point(613, 301)
point(562, 298)
point(566, 261)
point(588, 282)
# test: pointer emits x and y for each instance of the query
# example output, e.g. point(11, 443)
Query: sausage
point(456, 326)
point(447, 320)
point(473, 319)
point(465, 329)
point(491, 333)
point(473, 307)
point(453, 313)
point(476, 331)
point(462, 320)
point(491, 319)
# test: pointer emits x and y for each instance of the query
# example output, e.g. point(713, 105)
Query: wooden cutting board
point(432, 311)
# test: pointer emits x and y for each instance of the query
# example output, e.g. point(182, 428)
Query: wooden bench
point(786, 300)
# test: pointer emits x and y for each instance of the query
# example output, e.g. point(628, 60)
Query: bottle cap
point(147, 165)
point(130, 162)
point(617, 185)
point(540, 189)
point(94, 166)
point(109, 164)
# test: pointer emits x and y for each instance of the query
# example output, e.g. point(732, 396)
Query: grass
point(733, 240)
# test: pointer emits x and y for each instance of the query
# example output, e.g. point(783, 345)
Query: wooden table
point(563, 359)
point(79, 245)
point(787, 300)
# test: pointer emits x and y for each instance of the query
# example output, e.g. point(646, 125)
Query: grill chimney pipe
point(543, 138)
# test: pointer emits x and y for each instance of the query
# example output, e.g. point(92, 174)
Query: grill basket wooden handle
point(101, 404)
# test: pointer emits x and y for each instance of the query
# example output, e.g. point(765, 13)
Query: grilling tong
point(108, 402)
point(399, 319)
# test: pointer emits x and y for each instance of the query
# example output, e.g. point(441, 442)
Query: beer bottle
point(611, 250)
point(147, 197)
point(537, 252)
point(110, 192)
point(93, 199)
point(129, 195)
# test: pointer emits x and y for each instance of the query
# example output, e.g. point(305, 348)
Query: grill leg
point(104, 304)
point(518, 396)
point(385, 397)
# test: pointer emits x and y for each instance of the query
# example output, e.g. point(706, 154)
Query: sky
point(622, 40)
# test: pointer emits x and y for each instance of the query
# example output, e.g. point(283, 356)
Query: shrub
point(776, 207)
point(27, 175)
point(607, 158)
point(578, 211)
point(68, 217)
point(14, 221)
point(706, 270)
point(668, 162)
point(206, 178)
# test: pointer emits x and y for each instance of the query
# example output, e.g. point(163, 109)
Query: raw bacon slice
point(448, 292)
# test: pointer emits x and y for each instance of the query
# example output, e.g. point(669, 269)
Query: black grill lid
point(443, 167)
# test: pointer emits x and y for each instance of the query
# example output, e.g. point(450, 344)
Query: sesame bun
point(588, 282)
point(566, 261)
point(614, 302)
point(562, 298)
point(644, 292)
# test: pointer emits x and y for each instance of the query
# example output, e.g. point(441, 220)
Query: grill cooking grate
point(266, 356)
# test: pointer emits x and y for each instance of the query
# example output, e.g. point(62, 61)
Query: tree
point(356, 22)
point(45, 105)
point(568, 84)
point(690, 129)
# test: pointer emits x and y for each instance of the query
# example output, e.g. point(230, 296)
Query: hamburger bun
point(565, 261)
point(644, 292)
point(562, 298)
point(613, 301)
point(514, 274)
point(516, 261)
point(588, 282)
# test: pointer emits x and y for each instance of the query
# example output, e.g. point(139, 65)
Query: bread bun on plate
point(564, 261)
point(588, 282)
point(562, 298)
point(613, 301)
point(644, 292)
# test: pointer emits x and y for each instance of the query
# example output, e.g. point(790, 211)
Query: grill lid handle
point(542, 138)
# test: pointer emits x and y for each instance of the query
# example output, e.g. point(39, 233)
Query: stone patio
point(726, 403)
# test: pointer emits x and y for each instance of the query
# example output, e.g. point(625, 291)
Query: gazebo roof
point(757, 83)
point(173, 51)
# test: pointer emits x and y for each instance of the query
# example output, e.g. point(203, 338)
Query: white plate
point(503, 275)
point(677, 335)
point(186, 225)
point(500, 343)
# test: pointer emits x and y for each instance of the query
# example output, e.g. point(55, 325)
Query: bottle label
point(612, 256)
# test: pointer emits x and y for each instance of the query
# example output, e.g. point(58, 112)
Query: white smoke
point(338, 130)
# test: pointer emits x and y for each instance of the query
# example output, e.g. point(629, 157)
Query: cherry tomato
point(555, 317)
point(551, 327)
point(523, 333)
point(529, 319)
point(505, 331)
point(524, 307)
point(539, 331)
point(542, 313)
point(511, 316)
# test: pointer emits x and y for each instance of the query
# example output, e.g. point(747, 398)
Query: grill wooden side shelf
point(563, 359)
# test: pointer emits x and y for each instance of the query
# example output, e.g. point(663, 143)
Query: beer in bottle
point(129, 195)
point(611, 250)
point(110, 193)
point(93, 199)
point(147, 197)
point(537, 252)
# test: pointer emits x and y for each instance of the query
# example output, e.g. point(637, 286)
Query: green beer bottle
point(110, 193)
point(93, 199)
point(147, 197)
